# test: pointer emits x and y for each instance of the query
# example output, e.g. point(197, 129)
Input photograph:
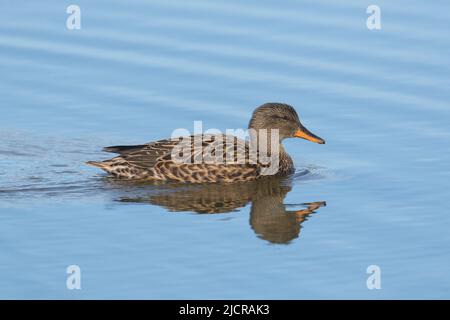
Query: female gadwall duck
point(160, 160)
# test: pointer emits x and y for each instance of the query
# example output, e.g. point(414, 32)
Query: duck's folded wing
point(210, 149)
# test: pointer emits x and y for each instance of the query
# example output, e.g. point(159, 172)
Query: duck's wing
point(122, 150)
point(209, 148)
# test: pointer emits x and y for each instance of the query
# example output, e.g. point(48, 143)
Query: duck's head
point(284, 118)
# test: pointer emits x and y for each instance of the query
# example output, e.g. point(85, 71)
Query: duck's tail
point(105, 165)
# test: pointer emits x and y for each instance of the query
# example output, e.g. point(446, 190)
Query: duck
point(184, 159)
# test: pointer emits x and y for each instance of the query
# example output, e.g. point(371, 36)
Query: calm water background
point(139, 69)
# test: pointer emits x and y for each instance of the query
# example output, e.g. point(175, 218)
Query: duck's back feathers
point(156, 161)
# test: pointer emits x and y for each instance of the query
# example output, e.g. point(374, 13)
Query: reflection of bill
point(268, 215)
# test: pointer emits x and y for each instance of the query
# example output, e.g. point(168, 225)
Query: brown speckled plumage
point(154, 161)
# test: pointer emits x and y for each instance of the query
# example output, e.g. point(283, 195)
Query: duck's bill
point(304, 133)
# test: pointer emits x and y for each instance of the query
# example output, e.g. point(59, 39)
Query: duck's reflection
point(269, 217)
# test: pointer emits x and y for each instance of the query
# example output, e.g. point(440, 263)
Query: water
point(139, 69)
